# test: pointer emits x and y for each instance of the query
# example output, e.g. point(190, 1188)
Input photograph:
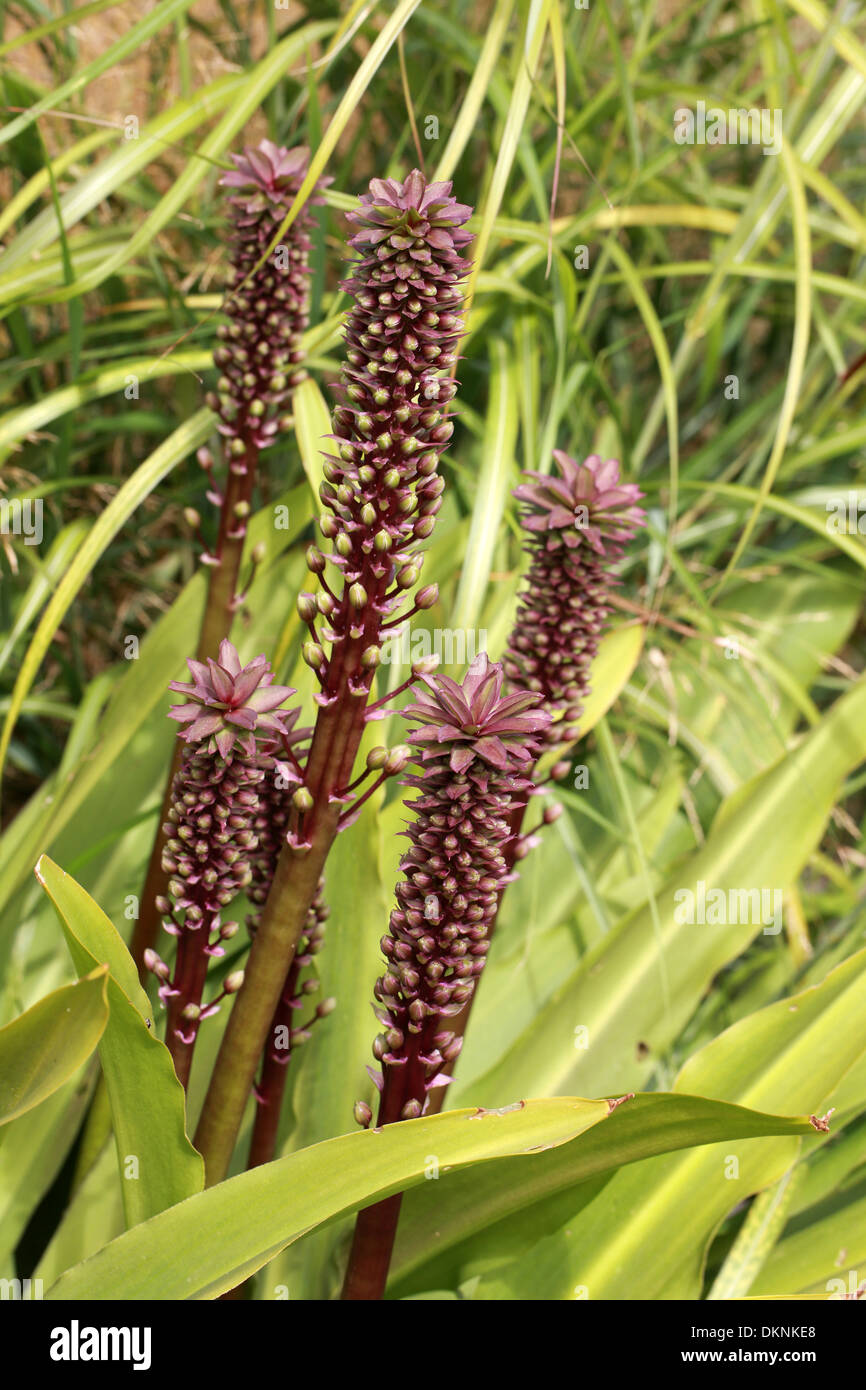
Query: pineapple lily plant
point(489, 973)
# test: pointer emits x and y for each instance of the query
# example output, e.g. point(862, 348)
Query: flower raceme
point(475, 747)
point(232, 726)
point(259, 349)
point(381, 488)
point(577, 520)
point(258, 355)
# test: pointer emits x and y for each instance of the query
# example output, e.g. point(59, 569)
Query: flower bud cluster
point(230, 712)
point(578, 519)
point(259, 349)
point(474, 747)
point(382, 490)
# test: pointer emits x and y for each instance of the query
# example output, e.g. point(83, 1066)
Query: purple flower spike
point(381, 486)
point(233, 728)
point(259, 349)
point(475, 748)
point(578, 520)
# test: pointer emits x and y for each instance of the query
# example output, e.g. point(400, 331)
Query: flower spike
point(577, 520)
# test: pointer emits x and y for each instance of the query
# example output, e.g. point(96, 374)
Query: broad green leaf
point(45, 1046)
point(645, 1234)
point(618, 654)
point(93, 1217)
point(158, 1164)
point(756, 1237)
point(33, 1150)
point(208, 1244)
point(511, 1205)
point(830, 1167)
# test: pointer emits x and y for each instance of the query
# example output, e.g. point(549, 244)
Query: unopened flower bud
point(407, 577)
point(397, 759)
point(313, 655)
point(428, 596)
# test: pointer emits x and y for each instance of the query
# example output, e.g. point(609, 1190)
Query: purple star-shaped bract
point(229, 703)
point(413, 211)
point(234, 731)
point(476, 718)
point(266, 172)
point(557, 503)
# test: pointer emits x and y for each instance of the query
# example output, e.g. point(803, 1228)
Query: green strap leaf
point(146, 477)
point(150, 24)
point(504, 1201)
point(209, 1244)
point(45, 1046)
point(158, 1164)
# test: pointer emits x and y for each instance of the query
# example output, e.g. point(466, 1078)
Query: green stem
point(337, 735)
